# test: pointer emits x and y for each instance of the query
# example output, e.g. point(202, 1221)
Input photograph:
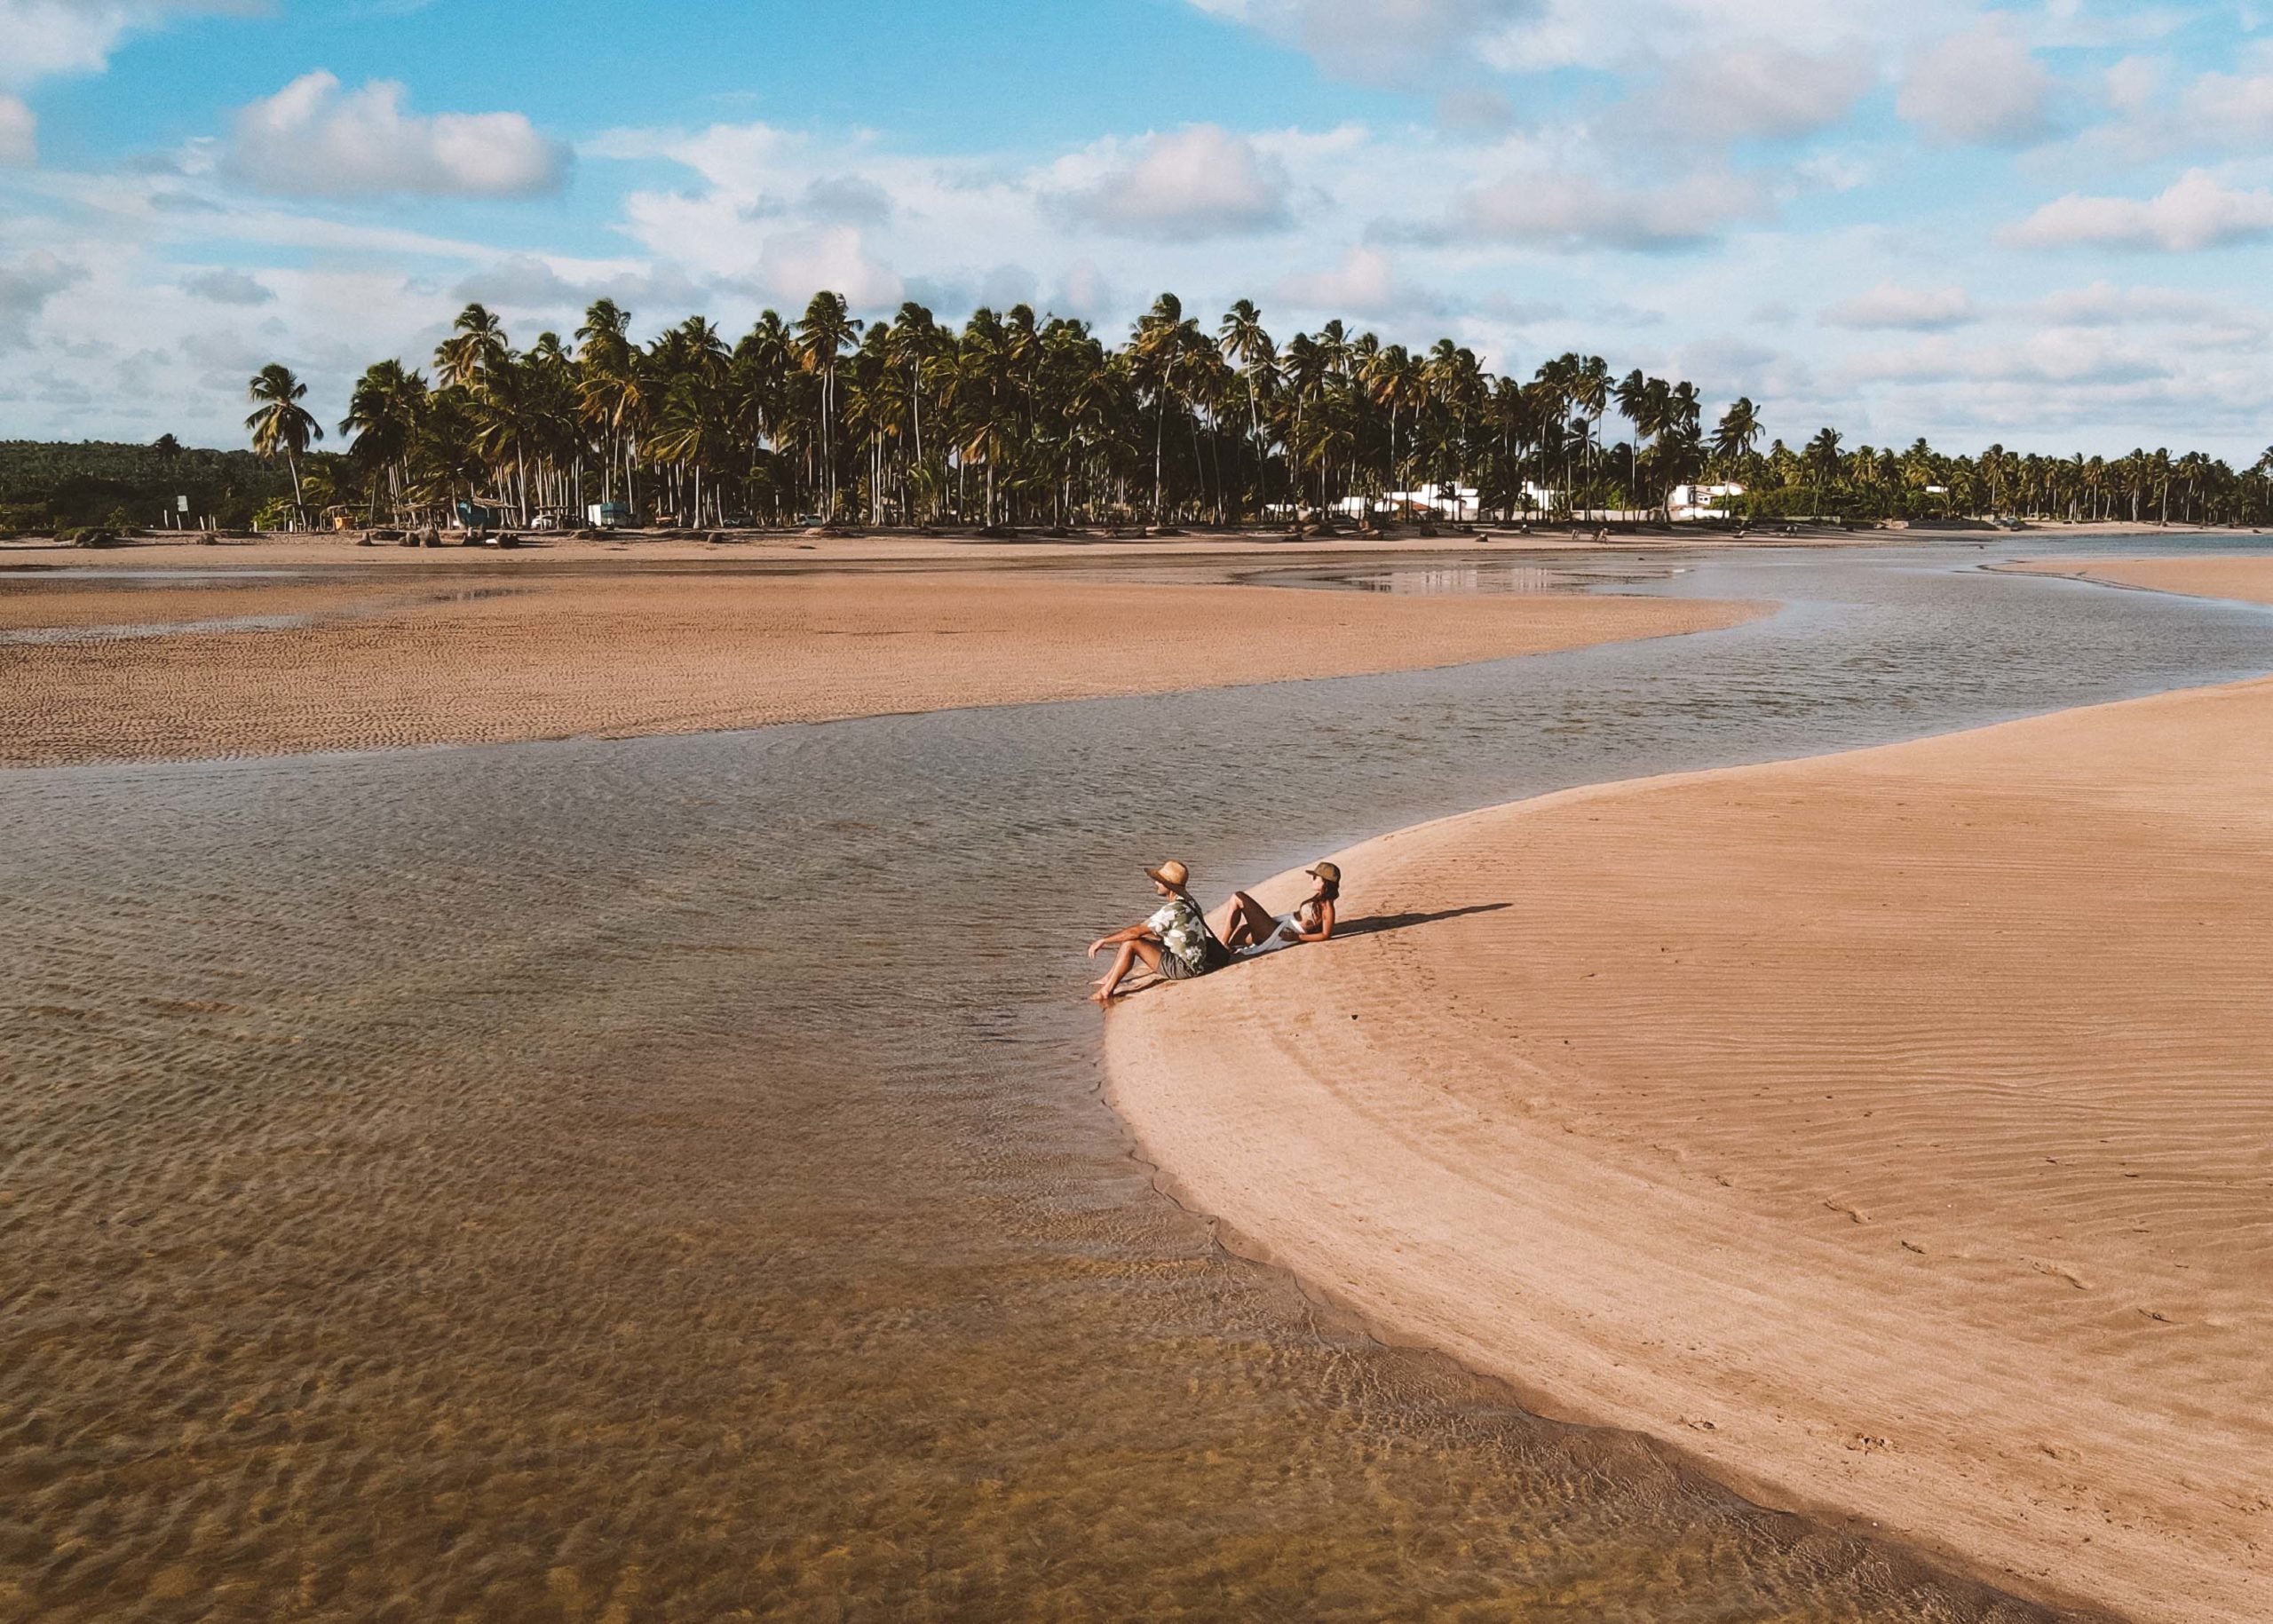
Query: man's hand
point(1098, 946)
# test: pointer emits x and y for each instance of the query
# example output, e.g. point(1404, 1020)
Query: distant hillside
point(47, 483)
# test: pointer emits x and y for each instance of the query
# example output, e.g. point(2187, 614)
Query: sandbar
point(381, 657)
point(1890, 1131)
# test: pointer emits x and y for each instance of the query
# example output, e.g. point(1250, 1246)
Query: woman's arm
point(1324, 925)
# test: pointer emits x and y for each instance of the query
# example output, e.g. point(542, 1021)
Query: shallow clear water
point(666, 1175)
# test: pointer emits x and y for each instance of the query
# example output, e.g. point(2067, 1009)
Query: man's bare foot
point(1100, 997)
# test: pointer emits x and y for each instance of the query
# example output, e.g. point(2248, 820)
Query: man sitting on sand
point(1174, 944)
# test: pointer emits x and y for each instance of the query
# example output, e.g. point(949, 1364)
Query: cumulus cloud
point(26, 286)
point(75, 36)
point(794, 264)
point(1557, 209)
point(1198, 182)
point(312, 139)
point(1979, 88)
point(1892, 306)
point(1758, 92)
point(220, 286)
point(2066, 358)
point(526, 282)
point(1373, 39)
point(19, 132)
point(1475, 109)
point(2196, 211)
point(2227, 110)
point(845, 200)
point(1366, 284)
point(2102, 304)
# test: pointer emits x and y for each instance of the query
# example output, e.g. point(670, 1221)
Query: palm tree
point(1248, 345)
point(1735, 434)
point(826, 328)
point(383, 414)
point(279, 423)
point(1161, 347)
point(477, 342)
point(1821, 457)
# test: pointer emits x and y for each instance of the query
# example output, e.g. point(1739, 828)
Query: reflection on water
point(664, 1178)
point(124, 631)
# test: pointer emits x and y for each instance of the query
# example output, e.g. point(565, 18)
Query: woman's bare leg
point(1251, 922)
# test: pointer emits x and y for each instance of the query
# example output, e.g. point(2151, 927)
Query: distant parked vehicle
point(608, 515)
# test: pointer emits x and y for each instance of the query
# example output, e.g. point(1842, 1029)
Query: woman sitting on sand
point(1174, 944)
point(1254, 930)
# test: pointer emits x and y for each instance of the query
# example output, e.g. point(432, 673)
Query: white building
point(1692, 502)
point(1459, 504)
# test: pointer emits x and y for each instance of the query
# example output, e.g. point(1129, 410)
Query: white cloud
point(1199, 182)
point(220, 286)
point(2185, 318)
point(19, 133)
point(312, 139)
point(1373, 39)
point(1892, 306)
point(2232, 110)
point(796, 265)
point(1559, 209)
point(2196, 211)
point(1758, 92)
point(1475, 109)
point(27, 285)
point(1365, 284)
point(2058, 358)
point(45, 37)
point(1979, 88)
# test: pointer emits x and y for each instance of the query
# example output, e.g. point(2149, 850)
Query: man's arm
point(1133, 934)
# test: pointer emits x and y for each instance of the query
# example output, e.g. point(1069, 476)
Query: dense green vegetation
point(1021, 419)
point(46, 486)
point(1017, 418)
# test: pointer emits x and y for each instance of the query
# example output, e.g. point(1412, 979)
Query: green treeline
point(1019, 419)
point(46, 486)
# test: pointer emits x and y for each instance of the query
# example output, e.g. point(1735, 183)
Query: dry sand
point(2245, 578)
point(387, 659)
point(1891, 1130)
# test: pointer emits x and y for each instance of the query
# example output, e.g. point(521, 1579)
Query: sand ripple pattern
point(377, 666)
point(661, 1179)
point(1893, 1129)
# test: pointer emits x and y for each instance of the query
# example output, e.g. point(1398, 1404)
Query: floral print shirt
point(1182, 931)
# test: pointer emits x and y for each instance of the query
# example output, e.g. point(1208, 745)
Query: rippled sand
point(1890, 1130)
point(379, 662)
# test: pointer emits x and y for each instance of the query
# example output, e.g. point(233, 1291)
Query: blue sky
point(2046, 225)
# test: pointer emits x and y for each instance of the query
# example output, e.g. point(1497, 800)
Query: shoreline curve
point(1885, 1131)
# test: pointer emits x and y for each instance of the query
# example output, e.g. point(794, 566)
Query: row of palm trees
point(1024, 419)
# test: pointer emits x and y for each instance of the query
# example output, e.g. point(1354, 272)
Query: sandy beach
point(1888, 1130)
point(380, 657)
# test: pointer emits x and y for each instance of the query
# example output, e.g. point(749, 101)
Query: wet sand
point(381, 658)
point(558, 1181)
point(1888, 1131)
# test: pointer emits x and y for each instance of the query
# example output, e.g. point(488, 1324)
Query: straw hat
point(1171, 874)
point(1329, 872)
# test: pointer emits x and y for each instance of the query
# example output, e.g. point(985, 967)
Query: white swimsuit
point(1286, 933)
